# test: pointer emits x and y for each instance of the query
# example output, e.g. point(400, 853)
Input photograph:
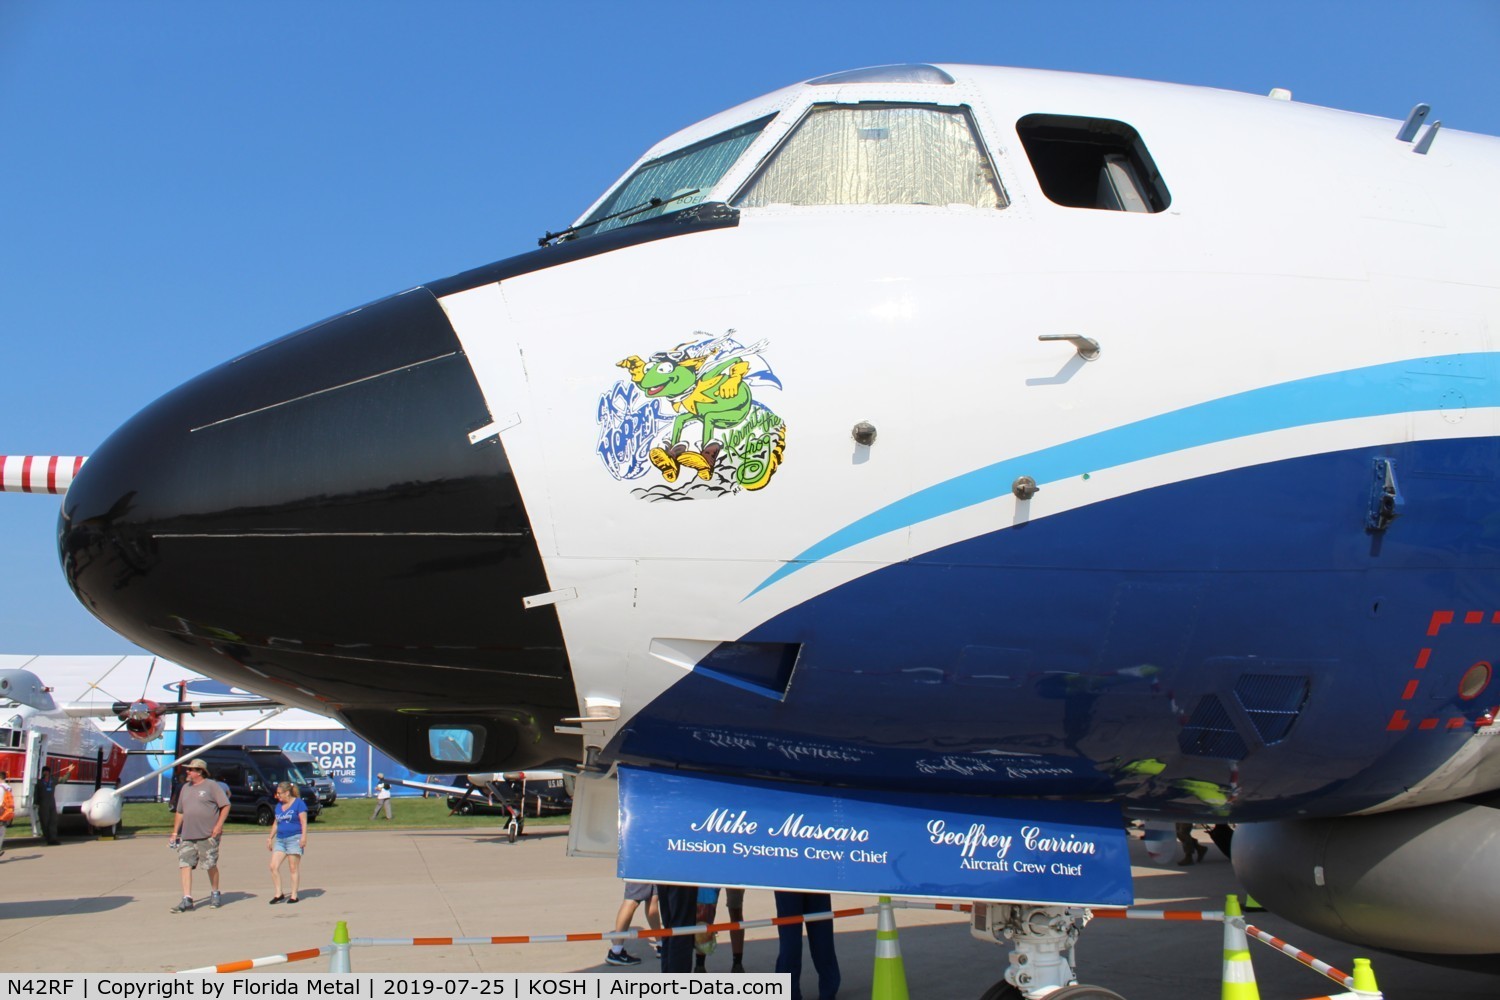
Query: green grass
point(150, 818)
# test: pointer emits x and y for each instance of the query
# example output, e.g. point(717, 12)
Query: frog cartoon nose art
point(711, 382)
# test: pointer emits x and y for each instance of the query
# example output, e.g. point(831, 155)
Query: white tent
point(104, 680)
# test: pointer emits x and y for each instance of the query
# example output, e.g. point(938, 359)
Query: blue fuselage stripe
point(1379, 390)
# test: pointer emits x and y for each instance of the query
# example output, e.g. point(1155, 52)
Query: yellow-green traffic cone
point(890, 970)
point(1239, 974)
point(1364, 980)
point(339, 959)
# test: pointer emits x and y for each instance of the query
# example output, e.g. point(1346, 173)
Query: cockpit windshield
point(676, 181)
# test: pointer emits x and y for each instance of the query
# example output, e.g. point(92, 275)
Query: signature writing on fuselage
point(795, 825)
point(1032, 838)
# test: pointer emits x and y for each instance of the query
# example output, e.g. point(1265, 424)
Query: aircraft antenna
point(1413, 122)
point(1425, 143)
point(98, 685)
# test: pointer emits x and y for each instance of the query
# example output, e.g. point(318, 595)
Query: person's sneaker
point(738, 966)
point(216, 900)
point(656, 947)
point(184, 906)
point(621, 957)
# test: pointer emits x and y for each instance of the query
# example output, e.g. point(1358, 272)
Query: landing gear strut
point(1042, 961)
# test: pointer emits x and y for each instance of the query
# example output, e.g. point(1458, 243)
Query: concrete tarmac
point(102, 906)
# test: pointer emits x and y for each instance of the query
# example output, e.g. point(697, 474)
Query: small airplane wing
point(429, 786)
point(124, 709)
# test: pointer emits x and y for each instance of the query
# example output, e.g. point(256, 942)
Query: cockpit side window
point(676, 181)
point(878, 154)
point(1092, 163)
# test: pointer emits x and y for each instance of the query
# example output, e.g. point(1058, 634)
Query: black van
point(251, 774)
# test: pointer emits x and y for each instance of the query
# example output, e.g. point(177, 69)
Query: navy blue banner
point(715, 831)
point(350, 761)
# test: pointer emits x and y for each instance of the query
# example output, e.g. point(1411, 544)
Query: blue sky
point(183, 181)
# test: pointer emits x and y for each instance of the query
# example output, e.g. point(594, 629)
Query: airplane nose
point(312, 521)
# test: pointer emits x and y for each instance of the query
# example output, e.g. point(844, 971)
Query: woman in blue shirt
point(288, 838)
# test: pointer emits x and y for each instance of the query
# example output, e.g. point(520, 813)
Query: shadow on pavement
point(24, 908)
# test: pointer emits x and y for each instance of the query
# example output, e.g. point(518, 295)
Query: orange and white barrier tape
point(1127, 913)
point(260, 963)
point(922, 904)
point(630, 935)
point(1209, 916)
point(1342, 978)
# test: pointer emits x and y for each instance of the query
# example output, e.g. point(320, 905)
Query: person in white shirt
point(382, 798)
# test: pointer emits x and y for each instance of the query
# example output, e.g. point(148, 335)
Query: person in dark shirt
point(819, 942)
point(44, 800)
point(678, 906)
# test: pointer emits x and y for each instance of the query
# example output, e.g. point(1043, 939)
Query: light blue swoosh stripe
point(1379, 390)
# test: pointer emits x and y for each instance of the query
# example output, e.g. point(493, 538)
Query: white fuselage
point(1300, 242)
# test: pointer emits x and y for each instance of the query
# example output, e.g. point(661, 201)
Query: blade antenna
point(97, 685)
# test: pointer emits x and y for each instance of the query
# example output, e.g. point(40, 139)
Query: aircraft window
point(673, 182)
point(1092, 163)
point(9, 738)
point(455, 744)
point(879, 154)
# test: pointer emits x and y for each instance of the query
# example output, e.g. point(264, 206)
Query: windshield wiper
point(644, 206)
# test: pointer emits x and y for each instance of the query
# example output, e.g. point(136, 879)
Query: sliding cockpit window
point(1092, 163)
point(673, 182)
point(879, 154)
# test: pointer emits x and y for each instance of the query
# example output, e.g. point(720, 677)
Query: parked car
point(250, 774)
point(317, 775)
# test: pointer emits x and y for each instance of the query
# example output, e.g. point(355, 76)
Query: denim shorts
point(288, 845)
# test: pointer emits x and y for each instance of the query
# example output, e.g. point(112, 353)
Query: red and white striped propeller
point(38, 473)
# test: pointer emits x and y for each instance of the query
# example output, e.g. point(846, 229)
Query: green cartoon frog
point(721, 401)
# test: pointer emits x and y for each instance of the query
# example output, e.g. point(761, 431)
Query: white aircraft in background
point(37, 732)
point(506, 791)
point(1009, 438)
